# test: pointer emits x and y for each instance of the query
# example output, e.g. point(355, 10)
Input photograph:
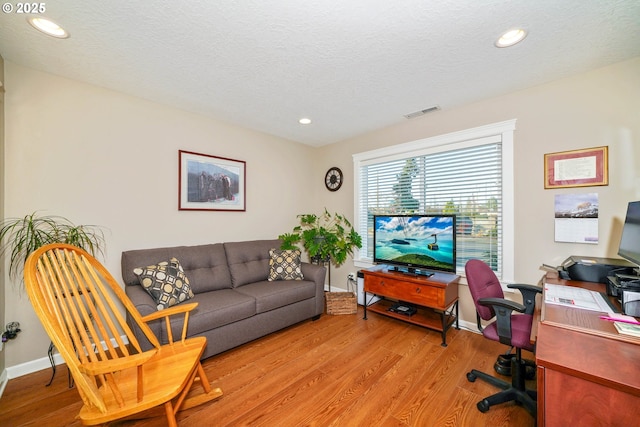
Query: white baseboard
point(33, 366)
point(468, 326)
point(44, 363)
point(4, 379)
point(334, 289)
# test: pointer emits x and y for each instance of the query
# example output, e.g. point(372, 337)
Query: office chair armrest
point(528, 295)
point(502, 303)
point(503, 309)
point(525, 286)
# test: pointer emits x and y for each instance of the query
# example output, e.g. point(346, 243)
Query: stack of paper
point(570, 296)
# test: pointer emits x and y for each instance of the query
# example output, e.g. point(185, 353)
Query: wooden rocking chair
point(73, 295)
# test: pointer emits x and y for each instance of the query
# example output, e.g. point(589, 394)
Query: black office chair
point(509, 328)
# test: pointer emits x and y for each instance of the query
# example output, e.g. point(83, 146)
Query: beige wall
point(97, 156)
point(2, 181)
point(598, 108)
point(100, 157)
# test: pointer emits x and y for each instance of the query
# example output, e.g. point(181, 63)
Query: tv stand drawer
point(438, 291)
point(416, 293)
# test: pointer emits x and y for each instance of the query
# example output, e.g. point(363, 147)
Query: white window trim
point(450, 141)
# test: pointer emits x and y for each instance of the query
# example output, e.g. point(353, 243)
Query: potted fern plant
point(326, 238)
point(19, 237)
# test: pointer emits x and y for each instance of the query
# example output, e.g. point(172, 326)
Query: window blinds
point(465, 181)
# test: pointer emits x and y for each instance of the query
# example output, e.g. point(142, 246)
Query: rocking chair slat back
point(79, 304)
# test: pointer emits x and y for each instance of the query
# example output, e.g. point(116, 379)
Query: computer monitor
point(629, 248)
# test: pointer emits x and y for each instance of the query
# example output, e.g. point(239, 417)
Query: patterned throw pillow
point(165, 282)
point(284, 265)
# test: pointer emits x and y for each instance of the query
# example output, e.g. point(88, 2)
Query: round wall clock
point(333, 179)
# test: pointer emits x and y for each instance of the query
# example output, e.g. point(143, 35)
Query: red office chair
point(509, 328)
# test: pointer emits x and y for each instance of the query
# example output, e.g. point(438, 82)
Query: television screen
point(415, 241)
point(629, 248)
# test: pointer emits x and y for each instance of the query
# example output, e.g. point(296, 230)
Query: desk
point(588, 374)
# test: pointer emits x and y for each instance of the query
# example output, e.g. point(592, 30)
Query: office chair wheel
point(483, 406)
point(471, 377)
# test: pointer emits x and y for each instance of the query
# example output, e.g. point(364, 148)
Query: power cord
point(352, 285)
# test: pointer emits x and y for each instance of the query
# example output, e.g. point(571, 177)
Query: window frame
point(452, 141)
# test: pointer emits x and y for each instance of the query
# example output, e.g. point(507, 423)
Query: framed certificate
point(577, 168)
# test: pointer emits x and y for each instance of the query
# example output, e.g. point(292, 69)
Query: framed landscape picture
point(210, 183)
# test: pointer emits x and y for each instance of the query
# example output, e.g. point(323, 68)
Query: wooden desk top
point(586, 321)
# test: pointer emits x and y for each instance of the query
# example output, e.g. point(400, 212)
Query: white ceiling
point(352, 66)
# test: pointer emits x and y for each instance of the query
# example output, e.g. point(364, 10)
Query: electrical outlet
point(352, 276)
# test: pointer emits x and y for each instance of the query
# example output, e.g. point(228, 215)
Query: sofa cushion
point(272, 295)
point(165, 282)
point(205, 265)
point(249, 261)
point(284, 265)
point(219, 308)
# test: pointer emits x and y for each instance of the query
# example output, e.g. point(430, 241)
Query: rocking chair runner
point(71, 293)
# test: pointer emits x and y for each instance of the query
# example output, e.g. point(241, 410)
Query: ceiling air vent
point(421, 112)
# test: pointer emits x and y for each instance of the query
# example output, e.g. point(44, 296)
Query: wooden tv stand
point(435, 297)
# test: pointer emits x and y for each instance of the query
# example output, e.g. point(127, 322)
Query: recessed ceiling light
point(511, 37)
point(304, 121)
point(48, 27)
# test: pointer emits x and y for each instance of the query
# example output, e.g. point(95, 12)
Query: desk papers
point(570, 296)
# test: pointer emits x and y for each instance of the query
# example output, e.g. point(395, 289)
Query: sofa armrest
point(314, 272)
point(145, 305)
point(141, 299)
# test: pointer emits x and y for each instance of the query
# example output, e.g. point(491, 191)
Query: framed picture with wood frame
point(578, 168)
point(210, 183)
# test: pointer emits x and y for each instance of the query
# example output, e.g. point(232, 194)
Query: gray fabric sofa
point(237, 303)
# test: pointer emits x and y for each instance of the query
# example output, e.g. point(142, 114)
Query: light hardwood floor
point(336, 371)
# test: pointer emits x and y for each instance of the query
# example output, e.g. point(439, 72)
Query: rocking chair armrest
point(114, 365)
point(167, 313)
point(176, 309)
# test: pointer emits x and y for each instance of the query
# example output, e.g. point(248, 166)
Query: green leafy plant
point(21, 236)
point(325, 237)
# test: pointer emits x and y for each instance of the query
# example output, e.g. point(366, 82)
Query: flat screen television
point(629, 248)
point(417, 243)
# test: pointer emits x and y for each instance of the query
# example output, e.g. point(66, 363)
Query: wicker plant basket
point(341, 303)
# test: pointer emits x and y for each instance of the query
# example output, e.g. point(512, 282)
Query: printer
point(592, 269)
point(620, 276)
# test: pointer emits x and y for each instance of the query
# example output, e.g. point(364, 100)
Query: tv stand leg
point(443, 317)
point(364, 300)
point(445, 327)
point(457, 317)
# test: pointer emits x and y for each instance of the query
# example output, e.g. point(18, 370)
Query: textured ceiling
point(351, 66)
